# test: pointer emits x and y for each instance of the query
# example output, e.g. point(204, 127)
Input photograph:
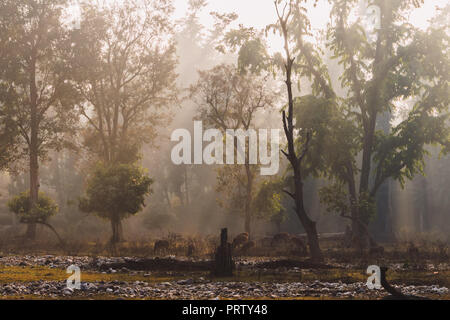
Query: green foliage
point(8, 140)
point(116, 191)
point(308, 61)
point(253, 56)
point(401, 154)
point(336, 200)
point(335, 197)
point(252, 49)
point(334, 141)
point(367, 207)
point(231, 186)
point(44, 209)
point(124, 65)
point(227, 98)
point(36, 93)
point(405, 65)
point(267, 202)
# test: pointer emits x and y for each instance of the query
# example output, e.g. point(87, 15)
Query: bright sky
point(256, 13)
point(259, 13)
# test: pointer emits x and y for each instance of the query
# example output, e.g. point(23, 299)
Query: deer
point(240, 240)
point(161, 245)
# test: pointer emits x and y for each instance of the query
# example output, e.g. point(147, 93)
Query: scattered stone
point(68, 291)
point(185, 282)
point(198, 288)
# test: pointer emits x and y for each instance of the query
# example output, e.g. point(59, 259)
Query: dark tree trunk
point(223, 264)
point(33, 148)
point(61, 241)
point(34, 192)
point(424, 224)
point(248, 201)
point(380, 227)
point(186, 184)
point(166, 195)
point(308, 224)
point(117, 233)
point(291, 154)
point(30, 234)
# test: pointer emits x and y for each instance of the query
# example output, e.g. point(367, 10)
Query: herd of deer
point(242, 244)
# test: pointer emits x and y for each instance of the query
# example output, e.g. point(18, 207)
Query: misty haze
point(212, 149)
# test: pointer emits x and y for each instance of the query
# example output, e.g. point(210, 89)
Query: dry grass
point(29, 274)
point(9, 274)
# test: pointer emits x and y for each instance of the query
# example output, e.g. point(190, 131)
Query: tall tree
point(125, 70)
point(403, 64)
point(230, 99)
point(36, 97)
point(292, 24)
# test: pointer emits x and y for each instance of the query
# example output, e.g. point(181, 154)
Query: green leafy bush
point(114, 192)
point(44, 209)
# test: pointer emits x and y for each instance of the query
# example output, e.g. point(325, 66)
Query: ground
point(44, 277)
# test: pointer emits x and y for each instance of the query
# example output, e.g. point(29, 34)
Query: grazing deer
point(348, 236)
point(160, 246)
point(280, 239)
point(413, 251)
point(190, 249)
point(298, 243)
point(240, 240)
point(266, 242)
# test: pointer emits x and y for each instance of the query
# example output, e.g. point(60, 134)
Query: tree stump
point(223, 264)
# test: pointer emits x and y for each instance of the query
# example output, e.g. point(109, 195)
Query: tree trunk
point(248, 201)
point(34, 149)
point(166, 195)
point(313, 243)
point(30, 234)
point(424, 221)
point(61, 241)
point(186, 185)
point(358, 236)
point(34, 192)
point(308, 224)
point(120, 231)
point(223, 264)
point(295, 160)
point(248, 221)
point(117, 233)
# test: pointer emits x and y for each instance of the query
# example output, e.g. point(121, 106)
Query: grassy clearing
point(35, 273)
point(28, 274)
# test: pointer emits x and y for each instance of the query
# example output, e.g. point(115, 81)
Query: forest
point(200, 149)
